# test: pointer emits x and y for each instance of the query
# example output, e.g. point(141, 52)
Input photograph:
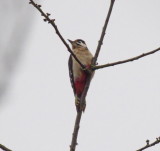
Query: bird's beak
point(70, 41)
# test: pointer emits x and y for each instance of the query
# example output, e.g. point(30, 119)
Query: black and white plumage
point(70, 66)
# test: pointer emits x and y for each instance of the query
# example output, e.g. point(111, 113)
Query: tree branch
point(103, 33)
point(149, 145)
point(4, 148)
point(125, 61)
point(52, 22)
point(75, 131)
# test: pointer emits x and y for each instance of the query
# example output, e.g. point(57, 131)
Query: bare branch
point(52, 22)
point(4, 148)
point(125, 61)
point(75, 131)
point(103, 33)
point(149, 145)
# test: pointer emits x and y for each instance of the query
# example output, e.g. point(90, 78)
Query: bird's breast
point(85, 58)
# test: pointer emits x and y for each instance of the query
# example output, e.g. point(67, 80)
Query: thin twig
point(103, 33)
point(82, 100)
point(149, 145)
point(125, 61)
point(75, 132)
point(4, 148)
point(52, 22)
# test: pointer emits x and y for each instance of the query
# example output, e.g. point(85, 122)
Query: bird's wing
point(70, 66)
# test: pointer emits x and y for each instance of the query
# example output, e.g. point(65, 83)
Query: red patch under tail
point(80, 84)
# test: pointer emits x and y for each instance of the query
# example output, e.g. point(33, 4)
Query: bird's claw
point(87, 69)
point(82, 107)
point(77, 101)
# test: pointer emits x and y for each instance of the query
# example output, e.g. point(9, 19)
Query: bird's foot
point(83, 106)
point(79, 106)
point(77, 101)
point(87, 69)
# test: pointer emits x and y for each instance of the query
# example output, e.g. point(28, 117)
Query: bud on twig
point(48, 14)
point(147, 141)
point(45, 19)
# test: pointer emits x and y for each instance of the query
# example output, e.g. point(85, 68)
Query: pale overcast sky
point(123, 102)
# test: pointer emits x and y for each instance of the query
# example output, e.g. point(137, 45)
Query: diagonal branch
point(52, 22)
point(149, 145)
point(103, 33)
point(127, 60)
point(4, 148)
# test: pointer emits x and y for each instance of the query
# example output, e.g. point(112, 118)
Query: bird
point(78, 76)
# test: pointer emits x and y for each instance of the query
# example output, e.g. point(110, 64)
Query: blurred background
point(15, 28)
point(37, 109)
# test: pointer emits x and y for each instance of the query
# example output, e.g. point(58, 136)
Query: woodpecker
point(78, 76)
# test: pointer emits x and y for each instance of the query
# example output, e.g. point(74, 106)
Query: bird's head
point(79, 43)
